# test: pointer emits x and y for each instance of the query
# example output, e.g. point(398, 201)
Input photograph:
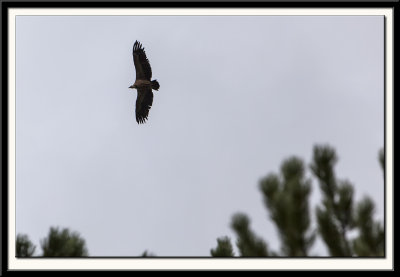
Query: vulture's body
point(143, 83)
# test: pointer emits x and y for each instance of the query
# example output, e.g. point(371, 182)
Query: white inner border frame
point(204, 263)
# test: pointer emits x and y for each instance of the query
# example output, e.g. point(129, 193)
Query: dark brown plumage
point(143, 83)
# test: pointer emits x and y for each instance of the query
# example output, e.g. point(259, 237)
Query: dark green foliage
point(58, 243)
point(344, 204)
point(324, 160)
point(63, 243)
point(371, 239)
point(334, 216)
point(286, 198)
point(24, 247)
point(224, 248)
point(381, 157)
point(147, 254)
point(329, 231)
point(248, 243)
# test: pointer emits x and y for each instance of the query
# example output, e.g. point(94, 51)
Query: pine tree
point(334, 216)
point(371, 239)
point(224, 248)
point(63, 243)
point(286, 198)
point(58, 243)
point(248, 243)
point(24, 247)
point(146, 254)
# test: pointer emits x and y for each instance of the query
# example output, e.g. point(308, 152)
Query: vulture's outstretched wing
point(143, 103)
point(142, 65)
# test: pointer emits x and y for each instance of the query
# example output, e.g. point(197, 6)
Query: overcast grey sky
point(238, 95)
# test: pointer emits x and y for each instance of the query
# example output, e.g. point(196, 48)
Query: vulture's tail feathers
point(155, 85)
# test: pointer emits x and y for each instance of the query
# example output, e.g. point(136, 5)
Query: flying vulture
point(143, 83)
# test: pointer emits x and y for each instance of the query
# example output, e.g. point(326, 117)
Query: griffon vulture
point(143, 83)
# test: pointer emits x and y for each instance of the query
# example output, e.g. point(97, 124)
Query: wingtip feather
point(137, 46)
point(141, 120)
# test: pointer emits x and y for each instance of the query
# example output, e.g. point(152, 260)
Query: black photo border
point(6, 5)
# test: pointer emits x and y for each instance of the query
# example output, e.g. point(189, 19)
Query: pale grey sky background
point(238, 95)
